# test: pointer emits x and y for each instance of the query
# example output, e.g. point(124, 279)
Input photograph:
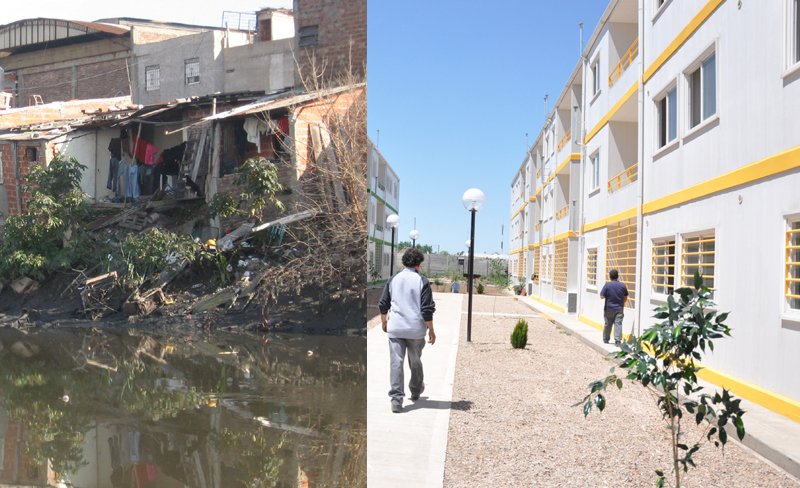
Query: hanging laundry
point(254, 127)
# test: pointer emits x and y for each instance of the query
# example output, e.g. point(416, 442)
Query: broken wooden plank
point(107, 221)
point(216, 300)
point(226, 242)
point(199, 154)
point(285, 220)
point(90, 282)
point(134, 221)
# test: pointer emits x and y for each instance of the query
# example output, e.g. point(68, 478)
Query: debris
point(96, 291)
point(134, 221)
point(24, 349)
point(24, 285)
point(216, 300)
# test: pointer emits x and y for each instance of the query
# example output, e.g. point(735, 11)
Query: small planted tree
point(664, 358)
point(519, 337)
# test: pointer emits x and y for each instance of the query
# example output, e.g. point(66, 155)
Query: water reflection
point(93, 407)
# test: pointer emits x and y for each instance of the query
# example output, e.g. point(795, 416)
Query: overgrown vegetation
point(258, 181)
point(50, 235)
point(519, 337)
point(147, 254)
point(664, 357)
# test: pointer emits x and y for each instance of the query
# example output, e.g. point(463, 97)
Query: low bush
point(479, 288)
point(519, 337)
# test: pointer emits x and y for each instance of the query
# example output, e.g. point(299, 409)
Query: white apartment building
point(383, 186)
point(674, 148)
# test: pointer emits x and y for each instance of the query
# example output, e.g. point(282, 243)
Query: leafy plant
point(147, 254)
point(49, 235)
point(519, 337)
point(258, 178)
point(223, 205)
point(664, 357)
point(479, 288)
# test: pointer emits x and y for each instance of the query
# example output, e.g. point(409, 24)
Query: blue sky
point(453, 88)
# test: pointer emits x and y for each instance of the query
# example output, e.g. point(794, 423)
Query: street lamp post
point(414, 234)
point(392, 221)
point(472, 200)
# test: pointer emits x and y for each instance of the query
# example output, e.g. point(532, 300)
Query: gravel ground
point(513, 424)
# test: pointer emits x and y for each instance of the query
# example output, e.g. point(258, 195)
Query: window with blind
point(560, 265)
point(663, 267)
point(591, 267)
point(621, 255)
point(697, 256)
point(793, 264)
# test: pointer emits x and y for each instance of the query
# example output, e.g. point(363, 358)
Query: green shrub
point(479, 288)
point(519, 337)
point(147, 254)
point(49, 235)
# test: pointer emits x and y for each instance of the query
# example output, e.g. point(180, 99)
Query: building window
point(537, 255)
point(793, 31)
point(192, 70)
point(31, 154)
point(596, 76)
point(560, 265)
point(591, 267)
point(621, 255)
point(793, 264)
point(703, 91)
point(594, 161)
point(663, 269)
point(697, 256)
point(667, 108)
point(152, 78)
point(309, 36)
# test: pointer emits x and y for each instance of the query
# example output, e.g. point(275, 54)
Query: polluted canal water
point(124, 407)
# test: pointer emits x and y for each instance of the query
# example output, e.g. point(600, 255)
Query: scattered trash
point(24, 285)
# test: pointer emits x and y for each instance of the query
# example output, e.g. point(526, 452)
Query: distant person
point(615, 294)
point(455, 287)
point(407, 309)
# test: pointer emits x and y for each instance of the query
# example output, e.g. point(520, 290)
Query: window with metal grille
point(537, 255)
point(697, 256)
point(547, 264)
point(152, 77)
point(308, 36)
point(663, 266)
point(192, 70)
point(560, 265)
point(591, 267)
point(621, 255)
point(793, 264)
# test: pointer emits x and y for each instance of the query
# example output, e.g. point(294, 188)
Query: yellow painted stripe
point(564, 235)
point(533, 246)
point(768, 399)
point(628, 94)
point(549, 304)
point(770, 166)
point(520, 209)
point(685, 34)
point(611, 219)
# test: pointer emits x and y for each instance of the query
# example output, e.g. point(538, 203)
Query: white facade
point(688, 159)
point(384, 199)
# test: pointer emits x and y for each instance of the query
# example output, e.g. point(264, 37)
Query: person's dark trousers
point(397, 352)
point(613, 317)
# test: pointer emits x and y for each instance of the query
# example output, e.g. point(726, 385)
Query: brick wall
point(101, 80)
point(340, 22)
point(9, 179)
point(88, 80)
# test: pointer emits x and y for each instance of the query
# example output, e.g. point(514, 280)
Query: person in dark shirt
point(615, 294)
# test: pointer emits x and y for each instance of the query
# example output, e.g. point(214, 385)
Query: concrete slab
point(409, 448)
point(770, 435)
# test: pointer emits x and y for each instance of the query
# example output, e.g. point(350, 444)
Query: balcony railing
point(625, 178)
point(562, 212)
point(564, 140)
point(624, 62)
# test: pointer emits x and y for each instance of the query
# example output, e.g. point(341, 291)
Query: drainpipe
point(581, 132)
point(640, 182)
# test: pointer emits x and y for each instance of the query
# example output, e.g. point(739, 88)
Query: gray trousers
point(397, 352)
point(613, 317)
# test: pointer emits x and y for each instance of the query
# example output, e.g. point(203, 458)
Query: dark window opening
point(309, 36)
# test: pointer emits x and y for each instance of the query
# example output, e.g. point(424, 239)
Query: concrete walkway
point(769, 434)
point(409, 448)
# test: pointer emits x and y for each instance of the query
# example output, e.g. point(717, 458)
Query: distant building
point(384, 199)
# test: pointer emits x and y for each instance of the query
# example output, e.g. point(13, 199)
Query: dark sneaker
point(415, 397)
point(397, 407)
point(617, 343)
point(605, 341)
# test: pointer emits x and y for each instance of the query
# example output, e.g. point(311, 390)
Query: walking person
point(615, 294)
point(407, 309)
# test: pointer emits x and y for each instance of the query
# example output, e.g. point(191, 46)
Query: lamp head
point(393, 221)
point(414, 234)
point(473, 199)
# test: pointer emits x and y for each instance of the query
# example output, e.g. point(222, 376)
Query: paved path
point(408, 449)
